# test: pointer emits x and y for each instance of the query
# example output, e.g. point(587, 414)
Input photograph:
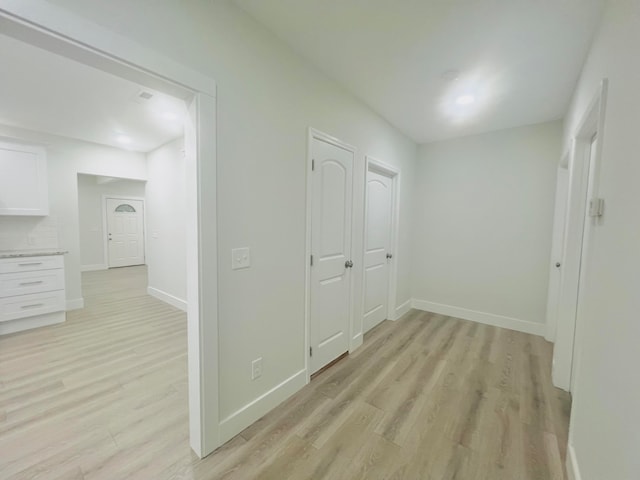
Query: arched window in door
point(125, 207)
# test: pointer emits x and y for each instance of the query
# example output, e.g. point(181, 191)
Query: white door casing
point(377, 247)
point(330, 277)
point(557, 260)
point(125, 232)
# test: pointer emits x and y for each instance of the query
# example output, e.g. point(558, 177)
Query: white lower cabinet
point(31, 292)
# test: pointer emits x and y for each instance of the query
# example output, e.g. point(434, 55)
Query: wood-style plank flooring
point(104, 396)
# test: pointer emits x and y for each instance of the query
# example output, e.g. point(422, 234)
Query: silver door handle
point(348, 264)
point(389, 256)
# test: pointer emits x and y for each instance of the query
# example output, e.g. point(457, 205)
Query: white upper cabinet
point(23, 180)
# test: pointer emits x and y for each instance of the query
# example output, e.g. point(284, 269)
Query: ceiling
point(439, 69)
point(49, 93)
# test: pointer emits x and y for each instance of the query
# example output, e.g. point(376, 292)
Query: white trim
point(573, 470)
point(167, 298)
point(402, 309)
point(105, 244)
point(574, 258)
point(52, 28)
point(38, 321)
point(501, 321)
point(242, 418)
point(374, 165)
point(355, 340)
point(75, 304)
point(93, 268)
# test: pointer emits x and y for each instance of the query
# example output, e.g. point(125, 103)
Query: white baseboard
point(93, 268)
point(573, 472)
point(167, 298)
point(481, 317)
point(21, 324)
point(75, 304)
point(241, 419)
point(402, 309)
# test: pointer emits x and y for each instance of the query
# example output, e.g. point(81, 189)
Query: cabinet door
point(23, 180)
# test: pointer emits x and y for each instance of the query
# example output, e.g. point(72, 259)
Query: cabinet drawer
point(23, 283)
point(13, 308)
point(31, 264)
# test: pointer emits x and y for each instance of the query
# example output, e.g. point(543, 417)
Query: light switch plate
point(240, 258)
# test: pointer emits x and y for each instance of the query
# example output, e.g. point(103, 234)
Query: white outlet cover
point(240, 258)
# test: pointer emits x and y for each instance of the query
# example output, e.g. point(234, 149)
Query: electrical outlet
point(256, 368)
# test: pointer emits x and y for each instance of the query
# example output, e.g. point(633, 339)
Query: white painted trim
point(38, 321)
point(402, 309)
point(167, 298)
point(355, 340)
point(375, 165)
point(58, 30)
point(501, 321)
point(242, 418)
point(573, 470)
point(53, 28)
point(93, 268)
point(592, 122)
point(75, 304)
point(105, 243)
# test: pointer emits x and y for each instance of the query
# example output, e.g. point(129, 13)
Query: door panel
point(331, 249)
point(377, 244)
point(125, 232)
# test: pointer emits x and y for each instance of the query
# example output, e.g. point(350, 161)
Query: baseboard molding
point(402, 309)
point(241, 419)
point(573, 472)
point(167, 298)
point(481, 317)
point(22, 324)
point(93, 268)
point(75, 304)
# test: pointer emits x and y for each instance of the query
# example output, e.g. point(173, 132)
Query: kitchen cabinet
point(23, 180)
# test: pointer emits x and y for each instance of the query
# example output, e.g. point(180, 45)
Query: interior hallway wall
point(166, 223)
point(267, 97)
point(483, 219)
point(604, 434)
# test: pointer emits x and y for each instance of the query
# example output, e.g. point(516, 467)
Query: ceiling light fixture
point(124, 139)
point(465, 100)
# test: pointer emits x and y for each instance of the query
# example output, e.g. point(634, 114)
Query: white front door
point(331, 252)
point(377, 243)
point(125, 232)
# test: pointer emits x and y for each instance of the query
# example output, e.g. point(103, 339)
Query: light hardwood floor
point(104, 396)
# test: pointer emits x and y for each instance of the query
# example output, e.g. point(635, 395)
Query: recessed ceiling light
point(123, 139)
point(465, 100)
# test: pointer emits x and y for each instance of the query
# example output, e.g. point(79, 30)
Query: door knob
point(557, 264)
point(348, 264)
point(389, 256)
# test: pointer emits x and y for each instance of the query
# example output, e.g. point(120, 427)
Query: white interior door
point(125, 232)
point(377, 245)
point(557, 244)
point(331, 252)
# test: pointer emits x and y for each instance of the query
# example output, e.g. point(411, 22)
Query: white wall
point(267, 98)
point(90, 215)
point(483, 216)
point(605, 419)
point(65, 159)
point(166, 223)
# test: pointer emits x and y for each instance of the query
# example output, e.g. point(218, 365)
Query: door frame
point(312, 135)
point(591, 123)
point(105, 224)
point(61, 32)
point(374, 165)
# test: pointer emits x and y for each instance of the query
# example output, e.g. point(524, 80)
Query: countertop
point(31, 253)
